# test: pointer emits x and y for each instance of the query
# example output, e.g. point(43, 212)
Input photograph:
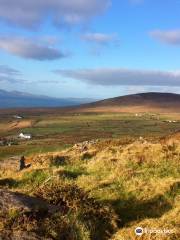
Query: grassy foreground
point(104, 188)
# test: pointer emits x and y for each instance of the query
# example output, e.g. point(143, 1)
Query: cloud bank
point(169, 37)
point(126, 77)
point(31, 14)
point(10, 75)
point(29, 49)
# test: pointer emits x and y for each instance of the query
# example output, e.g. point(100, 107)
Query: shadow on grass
point(59, 161)
point(8, 182)
point(133, 209)
point(72, 174)
point(33, 178)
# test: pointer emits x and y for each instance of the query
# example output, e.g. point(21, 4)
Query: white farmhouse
point(17, 117)
point(25, 136)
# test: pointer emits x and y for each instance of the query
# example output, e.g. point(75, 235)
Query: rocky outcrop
point(84, 146)
point(18, 211)
point(25, 204)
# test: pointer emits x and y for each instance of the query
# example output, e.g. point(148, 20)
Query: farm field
point(53, 132)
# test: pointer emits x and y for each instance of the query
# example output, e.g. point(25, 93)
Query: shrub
point(98, 219)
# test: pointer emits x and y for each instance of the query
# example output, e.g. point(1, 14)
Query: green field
point(50, 133)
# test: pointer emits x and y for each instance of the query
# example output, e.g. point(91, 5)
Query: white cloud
point(30, 14)
point(170, 37)
point(120, 76)
point(30, 49)
point(99, 41)
point(99, 38)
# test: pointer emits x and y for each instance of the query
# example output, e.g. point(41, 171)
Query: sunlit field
point(53, 132)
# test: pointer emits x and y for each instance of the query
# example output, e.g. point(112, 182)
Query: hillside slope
point(143, 102)
point(94, 190)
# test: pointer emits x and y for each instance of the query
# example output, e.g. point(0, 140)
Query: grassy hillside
point(104, 189)
point(143, 102)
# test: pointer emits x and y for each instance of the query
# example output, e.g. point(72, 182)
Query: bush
point(58, 161)
point(99, 220)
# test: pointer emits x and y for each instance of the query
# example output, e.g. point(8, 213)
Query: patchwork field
point(53, 132)
point(90, 176)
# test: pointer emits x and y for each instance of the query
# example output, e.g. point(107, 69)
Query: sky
point(90, 48)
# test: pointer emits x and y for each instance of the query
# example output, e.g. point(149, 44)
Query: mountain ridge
point(17, 99)
point(140, 102)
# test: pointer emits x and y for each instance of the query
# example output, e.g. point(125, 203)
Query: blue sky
point(95, 49)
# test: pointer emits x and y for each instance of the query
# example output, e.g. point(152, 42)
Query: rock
point(23, 203)
point(17, 235)
point(84, 146)
point(30, 211)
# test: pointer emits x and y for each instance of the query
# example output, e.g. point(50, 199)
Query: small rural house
point(25, 136)
point(17, 117)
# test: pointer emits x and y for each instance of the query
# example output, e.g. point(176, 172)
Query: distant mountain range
point(17, 99)
point(135, 103)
